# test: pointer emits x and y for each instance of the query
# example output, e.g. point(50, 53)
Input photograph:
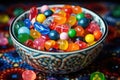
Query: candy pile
point(58, 29)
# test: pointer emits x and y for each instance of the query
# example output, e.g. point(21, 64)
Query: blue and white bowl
point(59, 62)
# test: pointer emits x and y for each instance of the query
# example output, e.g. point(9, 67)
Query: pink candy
point(64, 36)
point(44, 8)
point(3, 41)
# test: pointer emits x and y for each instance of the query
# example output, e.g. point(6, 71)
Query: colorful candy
point(58, 29)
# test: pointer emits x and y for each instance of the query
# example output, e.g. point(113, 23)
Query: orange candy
point(72, 47)
point(97, 34)
point(77, 9)
point(49, 44)
point(80, 31)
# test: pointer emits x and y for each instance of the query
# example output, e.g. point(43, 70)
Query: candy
point(54, 35)
point(72, 33)
point(58, 29)
point(89, 38)
point(41, 28)
point(35, 34)
point(28, 75)
point(64, 36)
point(23, 30)
point(40, 18)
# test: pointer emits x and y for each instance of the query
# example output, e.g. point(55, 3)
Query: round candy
point(44, 8)
point(49, 44)
point(72, 33)
point(18, 11)
point(82, 45)
point(48, 13)
point(54, 35)
point(23, 37)
point(28, 75)
point(76, 9)
point(3, 41)
point(89, 38)
point(97, 34)
point(80, 15)
point(63, 44)
point(40, 18)
point(64, 36)
point(23, 30)
point(83, 22)
point(80, 31)
point(4, 18)
point(72, 47)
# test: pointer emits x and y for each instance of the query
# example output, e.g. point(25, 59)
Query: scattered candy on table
point(67, 28)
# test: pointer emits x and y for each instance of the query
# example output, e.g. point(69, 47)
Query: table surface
point(108, 62)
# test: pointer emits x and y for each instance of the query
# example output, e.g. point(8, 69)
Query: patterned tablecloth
point(108, 62)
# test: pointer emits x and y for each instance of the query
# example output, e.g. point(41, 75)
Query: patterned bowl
point(59, 62)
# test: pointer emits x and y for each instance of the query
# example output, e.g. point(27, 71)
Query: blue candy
point(27, 23)
point(83, 22)
point(54, 35)
point(48, 13)
point(41, 28)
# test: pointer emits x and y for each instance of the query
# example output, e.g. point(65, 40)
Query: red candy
point(33, 13)
point(28, 75)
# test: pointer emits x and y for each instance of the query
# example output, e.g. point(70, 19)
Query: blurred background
point(108, 63)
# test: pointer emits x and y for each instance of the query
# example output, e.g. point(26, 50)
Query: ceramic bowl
point(59, 62)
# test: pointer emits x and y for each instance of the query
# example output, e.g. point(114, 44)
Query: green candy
point(23, 37)
point(80, 15)
point(17, 26)
point(97, 76)
point(18, 11)
point(10, 41)
point(72, 33)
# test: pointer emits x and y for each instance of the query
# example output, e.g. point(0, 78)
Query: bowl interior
point(96, 17)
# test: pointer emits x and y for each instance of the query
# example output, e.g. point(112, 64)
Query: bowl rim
point(45, 52)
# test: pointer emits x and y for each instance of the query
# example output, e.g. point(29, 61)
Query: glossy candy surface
point(58, 29)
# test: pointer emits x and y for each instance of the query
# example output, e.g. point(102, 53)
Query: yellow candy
point(4, 18)
point(62, 13)
point(35, 34)
point(63, 44)
point(89, 38)
point(40, 18)
point(72, 20)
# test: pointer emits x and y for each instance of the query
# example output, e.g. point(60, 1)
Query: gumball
point(18, 11)
point(52, 25)
point(40, 18)
point(44, 8)
point(72, 47)
point(80, 31)
point(63, 44)
point(76, 9)
point(62, 13)
point(89, 16)
point(33, 12)
point(54, 35)
point(80, 15)
point(48, 13)
point(4, 18)
point(35, 34)
point(41, 28)
point(68, 10)
point(82, 44)
point(23, 37)
point(29, 75)
point(89, 38)
point(83, 22)
point(49, 44)
point(72, 33)
point(23, 29)
point(63, 36)
point(97, 34)
point(48, 21)
point(27, 23)
point(72, 20)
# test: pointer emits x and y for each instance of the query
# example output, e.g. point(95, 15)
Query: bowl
point(59, 62)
